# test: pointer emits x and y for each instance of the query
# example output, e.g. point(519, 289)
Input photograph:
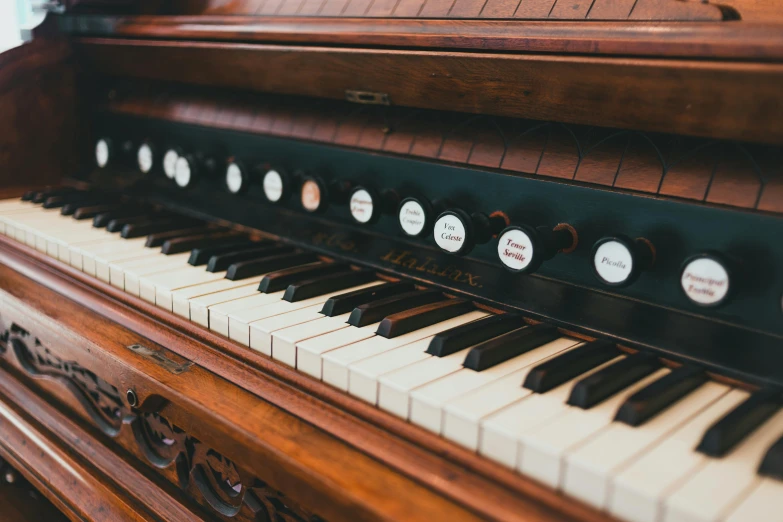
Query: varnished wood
point(39, 130)
point(20, 502)
point(757, 40)
point(725, 100)
point(376, 433)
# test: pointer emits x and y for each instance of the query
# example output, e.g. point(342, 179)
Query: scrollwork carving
point(102, 402)
point(226, 488)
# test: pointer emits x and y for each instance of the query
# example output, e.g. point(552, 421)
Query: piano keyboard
point(619, 431)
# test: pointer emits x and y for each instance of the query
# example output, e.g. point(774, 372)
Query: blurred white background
point(10, 35)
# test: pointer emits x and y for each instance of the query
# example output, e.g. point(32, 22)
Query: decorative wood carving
point(615, 10)
point(99, 399)
point(710, 171)
point(227, 489)
point(201, 471)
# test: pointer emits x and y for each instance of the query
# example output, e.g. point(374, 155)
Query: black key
point(281, 279)
point(325, 284)
point(221, 262)
point(117, 224)
point(161, 238)
point(653, 398)
point(177, 245)
point(200, 255)
point(344, 303)
point(422, 316)
point(153, 226)
point(722, 436)
point(507, 346)
point(456, 339)
point(772, 465)
point(104, 218)
point(375, 311)
point(73, 204)
point(54, 202)
point(28, 195)
point(601, 385)
point(42, 195)
point(256, 267)
point(90, 212)
point(563, 368)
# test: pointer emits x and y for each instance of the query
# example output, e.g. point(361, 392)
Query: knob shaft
point(457, 232)
point(705, 279)
point(367, 204)
point(145, 157)
point(237, 179)
point(618, 260)
point(524, 248)
point(186, 171)
point(276, 184)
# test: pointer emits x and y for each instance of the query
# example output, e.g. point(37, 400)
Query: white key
point(638, 490)
point(765, 502)
point(720, 484)
point(239, 321)
point(99, 264)
point(126, 275)
point(589, 469)
point(261, 331)
point(175, 279)
point(284, 341)
point(336, 362)
point(396, 384)
point(463, 415)
point(220, 289)
point(310, 351)
point(428, 401)
point(363, 378)
point(543, 449)
point(501, 432)
point(211, 311)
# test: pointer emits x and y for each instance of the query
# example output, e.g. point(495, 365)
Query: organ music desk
point(303, 260)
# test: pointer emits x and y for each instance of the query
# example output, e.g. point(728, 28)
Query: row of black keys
point(401, 308)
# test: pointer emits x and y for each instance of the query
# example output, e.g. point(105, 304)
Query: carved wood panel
point(718, 172)
point(203, 473)
point(616, 10)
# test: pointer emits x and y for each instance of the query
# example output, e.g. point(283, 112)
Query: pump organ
point(369, 260)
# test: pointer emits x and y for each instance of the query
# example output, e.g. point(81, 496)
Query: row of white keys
point(501, 433)
point(336, 360)
point(543, 450)
point(428, 401)
point(638, 491)
point(261, 330)
point(589, 469)
point(720, 484)
point(158, 287)
point(239, 319)
point(126, 274)
point(193, 302)
point(463, 415)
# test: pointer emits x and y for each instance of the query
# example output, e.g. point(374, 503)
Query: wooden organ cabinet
point(404, 260)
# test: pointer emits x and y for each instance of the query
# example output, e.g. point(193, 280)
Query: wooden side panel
point(40, 133)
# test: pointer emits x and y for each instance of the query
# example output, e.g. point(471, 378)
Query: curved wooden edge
point(434, 462)
point(752, 41)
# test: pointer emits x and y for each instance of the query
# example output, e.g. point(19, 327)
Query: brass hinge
point(367, 97)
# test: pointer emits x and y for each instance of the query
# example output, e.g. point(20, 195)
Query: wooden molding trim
point(716, 172)
point(430, 460)
point(747, 40)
